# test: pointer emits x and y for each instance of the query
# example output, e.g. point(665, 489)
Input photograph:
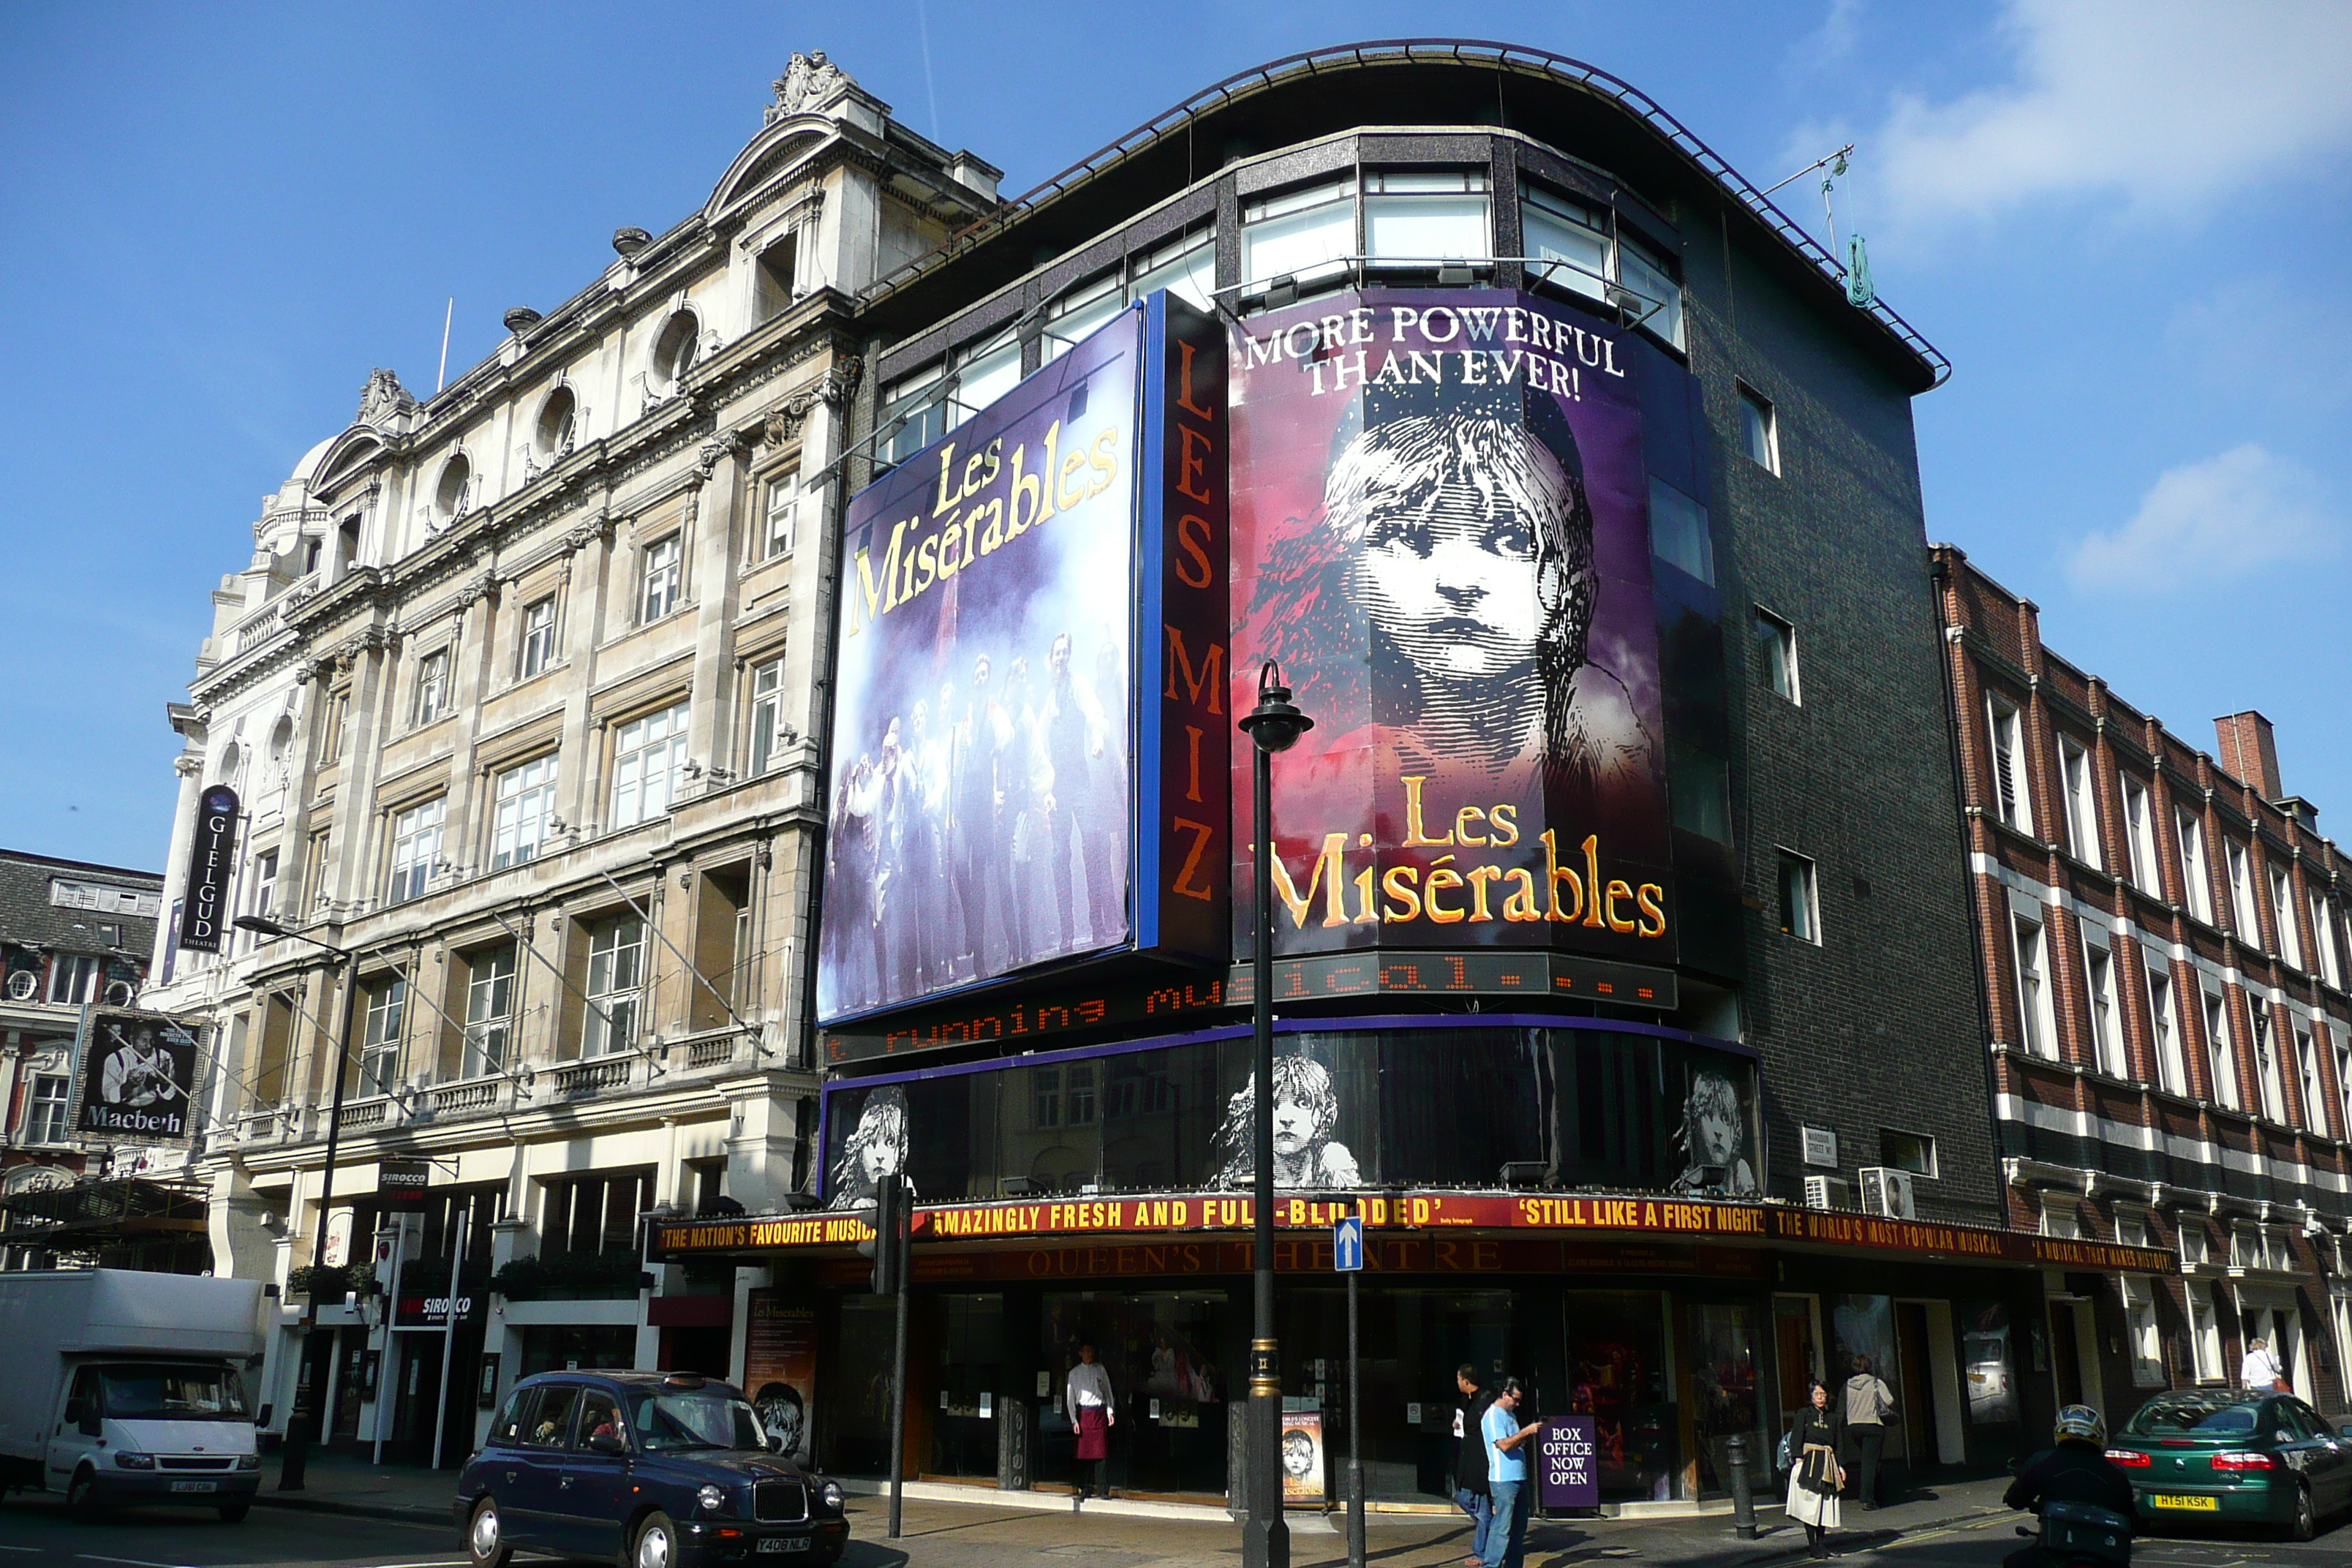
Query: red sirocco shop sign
point(1407, 1233)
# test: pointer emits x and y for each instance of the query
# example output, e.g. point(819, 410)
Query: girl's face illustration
point(1294, 1124)
point(1450, 582)
point(882, 1155)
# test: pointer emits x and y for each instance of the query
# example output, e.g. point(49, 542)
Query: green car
point(2223, 1456)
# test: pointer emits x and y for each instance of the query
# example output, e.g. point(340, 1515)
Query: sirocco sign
point(212, 861)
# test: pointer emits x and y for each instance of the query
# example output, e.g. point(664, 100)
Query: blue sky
point(2128, 226)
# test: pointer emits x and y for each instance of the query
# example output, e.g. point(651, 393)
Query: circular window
point(22, 984)
point(120, 993)
point(557, 416)
point(449, 496)
point(674, 350)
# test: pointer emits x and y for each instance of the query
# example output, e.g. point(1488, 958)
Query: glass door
point(1621, 1373)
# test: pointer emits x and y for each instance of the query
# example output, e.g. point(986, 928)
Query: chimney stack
point(2250, 751)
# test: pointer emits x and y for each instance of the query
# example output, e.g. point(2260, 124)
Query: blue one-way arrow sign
point(1348, 1246)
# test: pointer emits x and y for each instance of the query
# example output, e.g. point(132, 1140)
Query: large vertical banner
point(212, 862)
point(1031, 742)
point(137, 1078)
point(1441, 533)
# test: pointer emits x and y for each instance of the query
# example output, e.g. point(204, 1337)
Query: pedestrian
point(1093, 1412)
point(1815, 1480)
point(1470, 1467)
point(2260, 1371)
point(1506, 1475)
point(1868, 1401)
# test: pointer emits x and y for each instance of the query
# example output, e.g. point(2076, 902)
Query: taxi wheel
point(2305, 1523)
point(656, 1542)
point(486, 1536)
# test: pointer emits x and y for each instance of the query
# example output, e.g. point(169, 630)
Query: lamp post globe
point(1274, 725)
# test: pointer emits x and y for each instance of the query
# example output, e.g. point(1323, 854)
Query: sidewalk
point(941, 1528)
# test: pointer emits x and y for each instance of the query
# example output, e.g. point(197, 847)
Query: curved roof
point(1453, 83)
point(305, 471)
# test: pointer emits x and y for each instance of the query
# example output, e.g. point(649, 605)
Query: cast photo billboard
point(1029, 735)
point(1441, 533)
point(138, 1072)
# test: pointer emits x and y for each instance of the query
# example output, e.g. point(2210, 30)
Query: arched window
point(230, 757)
point(449, 495)
point(675, 350)
point(557, 418)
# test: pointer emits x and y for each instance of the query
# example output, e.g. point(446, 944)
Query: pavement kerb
point(403, 1513)
point(1773, 1552)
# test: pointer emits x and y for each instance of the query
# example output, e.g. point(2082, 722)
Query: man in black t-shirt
point(1470, 1463)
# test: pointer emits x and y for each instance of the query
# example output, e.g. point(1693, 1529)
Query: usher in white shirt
point(1089, 1385)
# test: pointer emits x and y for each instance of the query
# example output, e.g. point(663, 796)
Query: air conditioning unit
point(1828, 1193)
point(1887, 1191)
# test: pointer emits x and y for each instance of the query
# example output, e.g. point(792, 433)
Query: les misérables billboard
point(1029, 738)
point(1441, 533)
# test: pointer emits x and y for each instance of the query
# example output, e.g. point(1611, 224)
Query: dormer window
point(558, 418)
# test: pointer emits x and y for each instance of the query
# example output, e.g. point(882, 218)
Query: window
point(73, 978)
point(2082, 809)
point(2171, 1065)
point(265, 891)
point(2146, 1338)
point(659, 580)
point(1912, 1151)
point(1775, 645)
point(1425, 215)
point(1759, 434)
point(415, 846)
point(2343, 1082)
point(783, 516)
point(594, 1214)
point(2196, 1245)
point(1799, 904)
point(1304, 235)
point(1575, 236)
point(45, 1109)
point(2060, 1218)
point(2323, 933)
point(2266, 1059)
point(551, 1422)
point(2204, 1337)
point(1679, 533)
point(332, 707)
point(432, 687)
point(526, 806)
point(538, 637)
point(559, 418)
point(1648, 275)
point(449, 496)
point(984, 373)
point(2107, 1013)
point(1186, 267)
point(769, 733)
point(2219, 1060)
point(1699, 784)
point(490, 1010)
point(2010, 795)
point(2039, 1027)
point(778, 262)
point(2139, 833)
point(616, 955)
point(2242, 894)
point(387, 1006)
point(2290, 937)
point(914, 410)
point(2307, 1085)
point(648, 760)
point(2192, 865)
point(675, 350)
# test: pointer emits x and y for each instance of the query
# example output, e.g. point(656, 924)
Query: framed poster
point(1302, 1457)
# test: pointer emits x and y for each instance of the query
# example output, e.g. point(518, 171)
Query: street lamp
point(291, 1472)
point(1274, 725)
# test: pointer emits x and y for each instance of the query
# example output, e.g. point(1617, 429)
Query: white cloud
point(2160, 106)
point(2227, 517)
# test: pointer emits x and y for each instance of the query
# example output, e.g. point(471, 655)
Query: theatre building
point(2163, 941)
point(1621, 939)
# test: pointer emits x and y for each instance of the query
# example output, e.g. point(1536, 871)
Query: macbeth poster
point(138, 1071)
point(1441, 533)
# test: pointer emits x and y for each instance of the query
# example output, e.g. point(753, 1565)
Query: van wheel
point(81, 1495)
point(486, 1536)
point(656, 1542)
point(234, 1512)
point(2305, 1523)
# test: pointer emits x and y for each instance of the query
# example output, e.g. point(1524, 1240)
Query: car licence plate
point(195, 1486)
point(784, 1543)
point(2193, 1504)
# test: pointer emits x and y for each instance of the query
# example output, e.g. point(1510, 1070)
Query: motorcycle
point(2082, 1535)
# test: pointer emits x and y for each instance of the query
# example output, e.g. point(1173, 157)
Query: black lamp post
point(291, 1473)
point(1274, 725)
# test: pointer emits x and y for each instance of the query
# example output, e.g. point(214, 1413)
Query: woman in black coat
point(1815, 1477)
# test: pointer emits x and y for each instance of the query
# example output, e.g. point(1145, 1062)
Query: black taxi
point(649, 1468)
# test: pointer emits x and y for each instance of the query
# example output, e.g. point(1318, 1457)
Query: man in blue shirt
point(1506, 1475)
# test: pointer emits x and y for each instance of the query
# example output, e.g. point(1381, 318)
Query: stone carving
point(384, 400)
point(808, 82)
point(832, 389)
